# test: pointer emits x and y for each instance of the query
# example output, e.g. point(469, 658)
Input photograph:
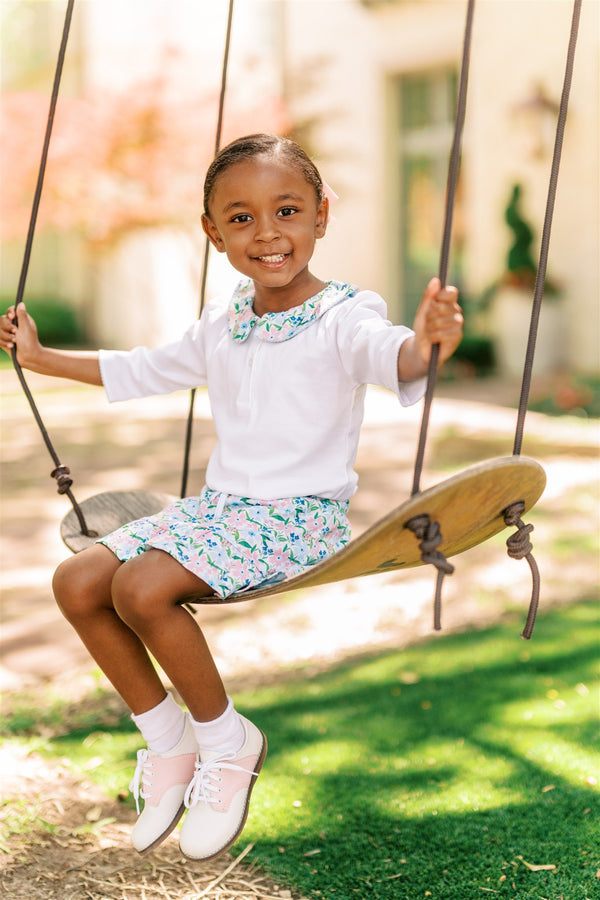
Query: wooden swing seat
point(468, 507)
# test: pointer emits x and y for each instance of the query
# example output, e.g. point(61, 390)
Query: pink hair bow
point(332, 198)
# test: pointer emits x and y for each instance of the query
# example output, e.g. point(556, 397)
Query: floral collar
point(281, 326)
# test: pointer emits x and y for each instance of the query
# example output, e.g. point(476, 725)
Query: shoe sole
point(258, 766)
point(165, 834)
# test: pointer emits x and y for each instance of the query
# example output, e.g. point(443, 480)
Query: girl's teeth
point(279, 257)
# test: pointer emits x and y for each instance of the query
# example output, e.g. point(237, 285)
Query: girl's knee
point(149, 587)
point(81, 583)
point(134, 594)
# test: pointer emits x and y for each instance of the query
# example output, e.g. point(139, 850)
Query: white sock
point(223, 735)
point(162, 726)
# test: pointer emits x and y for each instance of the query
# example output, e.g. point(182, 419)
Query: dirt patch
point(72, 843)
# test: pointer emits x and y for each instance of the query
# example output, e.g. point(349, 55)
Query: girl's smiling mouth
point(273, 259)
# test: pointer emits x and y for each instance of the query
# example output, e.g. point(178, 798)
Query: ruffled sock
point(222, 735)
point(162, 726)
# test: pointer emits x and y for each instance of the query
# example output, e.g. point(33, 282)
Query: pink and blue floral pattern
point(281, 326)
point(236, 543)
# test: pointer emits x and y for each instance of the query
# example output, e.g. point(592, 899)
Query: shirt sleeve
point(143, 373)
point(369, 344)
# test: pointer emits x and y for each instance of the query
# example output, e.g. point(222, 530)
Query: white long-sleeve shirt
point(287, 412)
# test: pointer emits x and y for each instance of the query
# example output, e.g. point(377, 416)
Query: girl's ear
point(212, 233)
point(322, 218)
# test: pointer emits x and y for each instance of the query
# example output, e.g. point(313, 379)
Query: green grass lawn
point(463, 767)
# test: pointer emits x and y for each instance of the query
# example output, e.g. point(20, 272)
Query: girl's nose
point(267, 229)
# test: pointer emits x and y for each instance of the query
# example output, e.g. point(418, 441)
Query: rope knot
point(430, 537)
point(512, 514)
point(518, 546)
point(63, 479)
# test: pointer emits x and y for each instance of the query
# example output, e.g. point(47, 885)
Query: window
point(425, 104)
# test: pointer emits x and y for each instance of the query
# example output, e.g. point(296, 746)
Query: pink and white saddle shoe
point(161, 780)
point(218, 797)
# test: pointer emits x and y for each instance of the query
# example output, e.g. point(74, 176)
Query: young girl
point(286, 360)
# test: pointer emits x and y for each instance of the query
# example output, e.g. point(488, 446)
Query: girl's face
point(265, 216)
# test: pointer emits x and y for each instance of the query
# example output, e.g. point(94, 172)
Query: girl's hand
point(80, 365)
point(439, 320)
point(24, 335)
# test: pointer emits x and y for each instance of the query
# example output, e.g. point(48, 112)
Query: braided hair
point(253, 145)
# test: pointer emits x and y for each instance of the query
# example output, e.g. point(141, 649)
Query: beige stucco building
point(370, 85)
point(368, 59)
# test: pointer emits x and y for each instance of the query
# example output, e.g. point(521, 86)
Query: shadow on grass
point(445, 768)
point(453, 768)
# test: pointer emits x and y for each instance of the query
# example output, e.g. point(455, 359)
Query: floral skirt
point(237, 543)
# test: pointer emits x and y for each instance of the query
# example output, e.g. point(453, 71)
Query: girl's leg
point(119, 610)
point(83, 589)
point(85, 586)
point(147, 592)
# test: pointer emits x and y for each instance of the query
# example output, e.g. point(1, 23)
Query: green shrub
point(57, 321)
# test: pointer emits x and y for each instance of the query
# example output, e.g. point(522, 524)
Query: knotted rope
point(63, 478)
point(421, 525)
point(60, 471)
point(430, 537)
point(518, 546)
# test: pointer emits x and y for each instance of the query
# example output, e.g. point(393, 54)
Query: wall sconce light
point(536, 118)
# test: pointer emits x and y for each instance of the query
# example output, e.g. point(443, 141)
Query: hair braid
point(253, 145)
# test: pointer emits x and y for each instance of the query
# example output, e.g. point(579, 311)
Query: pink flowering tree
point(117, 161)
point(124, 170)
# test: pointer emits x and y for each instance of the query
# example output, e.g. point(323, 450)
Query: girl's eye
point(242, 218)
point(287, 211)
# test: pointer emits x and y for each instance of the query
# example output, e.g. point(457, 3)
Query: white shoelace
point(141, 778)
point(204, 786)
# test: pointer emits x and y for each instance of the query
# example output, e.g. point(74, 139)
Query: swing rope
point(219, 131)
point(518, 545)
point(453, 170)
point(426, 531)
point(540, 279)
point(60, 472)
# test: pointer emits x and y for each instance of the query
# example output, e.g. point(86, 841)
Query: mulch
point(76, 846)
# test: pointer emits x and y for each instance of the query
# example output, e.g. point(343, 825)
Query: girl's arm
point(80, 365)
point(439, 320)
